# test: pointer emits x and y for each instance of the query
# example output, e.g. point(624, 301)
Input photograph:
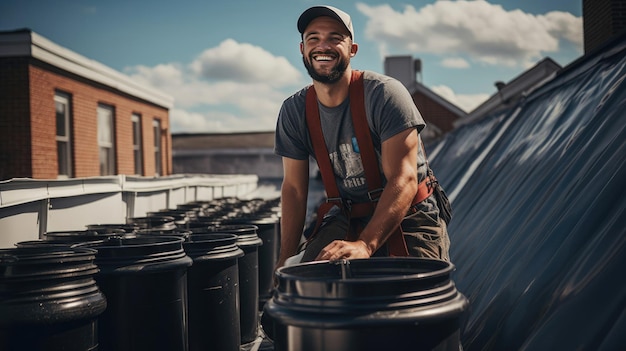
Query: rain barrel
point(249, 242)
point(181, 216)
point(213, 292)
point(145, 281)
point(268, 231)
point(153, 222)
point(46, 243)
point(80, 236)
point(399, 303)
point(178, 232)
point(49, 299)
point(108, 227)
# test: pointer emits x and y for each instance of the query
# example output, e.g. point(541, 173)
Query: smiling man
point(401, 217)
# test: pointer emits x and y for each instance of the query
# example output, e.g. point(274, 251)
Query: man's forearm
point(392, 206)
point(292, 220)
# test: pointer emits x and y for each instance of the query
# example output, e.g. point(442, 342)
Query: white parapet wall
point(29, 208)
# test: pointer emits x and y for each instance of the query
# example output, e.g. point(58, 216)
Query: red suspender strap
point(427, 186)
point(363, 136)
point(395, 243)
point(321, 155)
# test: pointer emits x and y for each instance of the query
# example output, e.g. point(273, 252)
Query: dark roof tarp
point(539, 227)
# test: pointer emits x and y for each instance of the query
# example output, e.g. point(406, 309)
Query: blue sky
point(230, 64)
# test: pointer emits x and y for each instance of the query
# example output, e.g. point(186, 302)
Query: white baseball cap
point(317, 11)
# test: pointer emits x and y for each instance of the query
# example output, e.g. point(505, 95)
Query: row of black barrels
point(197, 215)
point(219, 215)
point(155, 283)
point(199, 281)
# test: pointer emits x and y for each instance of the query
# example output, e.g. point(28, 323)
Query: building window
point(64, 141)
point(137, 145)
point(106, 137)
point(156, 127)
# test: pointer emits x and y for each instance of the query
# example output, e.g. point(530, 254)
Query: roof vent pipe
point(417, 67)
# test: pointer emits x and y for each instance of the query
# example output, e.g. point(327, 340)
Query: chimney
point(603, 20)
point(404, 68)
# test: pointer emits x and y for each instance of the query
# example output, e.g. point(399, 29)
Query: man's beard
point(335, 74)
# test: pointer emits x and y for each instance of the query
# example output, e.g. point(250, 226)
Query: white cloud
point(561, 25)
point(158, 75)
point(466, 102)
point(244, 62)
point(455, 62)
point(480, 30)
point(182, 120)
point(217, 122)
point(231, 87)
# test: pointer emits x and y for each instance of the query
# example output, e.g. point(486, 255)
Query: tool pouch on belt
point(443, 203)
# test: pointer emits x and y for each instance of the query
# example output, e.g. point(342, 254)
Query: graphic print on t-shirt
point(348, 166)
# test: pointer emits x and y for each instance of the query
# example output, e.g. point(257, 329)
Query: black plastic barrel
point(213, 291)
point(366, 304)
point(46, 243)
point(196, 207)
point(181, 216)
point(145, 281)
point(268, 231)
point(203, 223)
point(249, 242)
point(178, 232)
point(49, 299)
point(108, 227)
point(80, 236)
point(153, 222)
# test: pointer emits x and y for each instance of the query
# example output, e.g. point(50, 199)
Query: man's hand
point(341, 249)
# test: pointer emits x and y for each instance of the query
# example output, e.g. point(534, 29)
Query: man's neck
point(332, 95)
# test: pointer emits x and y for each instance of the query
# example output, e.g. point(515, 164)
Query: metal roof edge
point(524, 83)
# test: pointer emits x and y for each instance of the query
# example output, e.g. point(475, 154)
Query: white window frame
point(158, 164)
point(106, 139)
point(64, 141)
point(137, 144)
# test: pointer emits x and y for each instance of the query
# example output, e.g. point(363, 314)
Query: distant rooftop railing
point(29, 207)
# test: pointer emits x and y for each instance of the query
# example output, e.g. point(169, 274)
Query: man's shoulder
point(378, 83)
point(297, 98)
point(377, 77)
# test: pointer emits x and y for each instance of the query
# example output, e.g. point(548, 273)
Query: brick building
point(439, 113)
point(65, 116)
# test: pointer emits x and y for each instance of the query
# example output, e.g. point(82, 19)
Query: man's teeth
point(323, 58)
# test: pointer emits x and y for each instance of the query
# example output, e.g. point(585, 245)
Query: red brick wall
point(85, 97)
point(15, 150)
point(434, 113)
point(43, 125)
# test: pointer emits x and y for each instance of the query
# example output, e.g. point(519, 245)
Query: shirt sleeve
point(291, 134)
point(393, 108)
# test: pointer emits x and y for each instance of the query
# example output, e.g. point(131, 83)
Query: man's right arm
point(294, 193)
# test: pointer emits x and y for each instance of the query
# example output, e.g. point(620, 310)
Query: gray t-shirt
point(389, 109)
